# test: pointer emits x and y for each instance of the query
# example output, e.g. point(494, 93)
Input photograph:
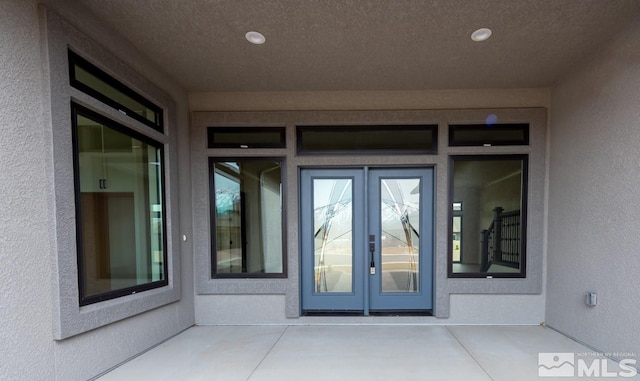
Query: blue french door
point(366, 240)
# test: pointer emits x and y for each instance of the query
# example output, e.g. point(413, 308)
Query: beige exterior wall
point(594, 179)
point(28, 242)
point(594, 183)
point(369, 100)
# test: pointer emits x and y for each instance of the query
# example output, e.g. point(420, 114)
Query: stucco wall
point(27, 202)
point(369, 100)
point(250, 301)
point(25, 307)
point(593, 238)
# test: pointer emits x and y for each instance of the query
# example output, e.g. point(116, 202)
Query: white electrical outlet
point(591, 299)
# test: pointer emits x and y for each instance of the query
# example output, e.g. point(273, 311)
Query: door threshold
point(332, 313)
point(401, 312)
point(371, 313)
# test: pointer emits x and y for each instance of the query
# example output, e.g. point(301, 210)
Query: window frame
point(253, 130)
point(212, 213)
point(68, 317)
point(456, 213)
point(364, 129)
point(77, 109)
point(457, 128)
point(524, 204)
point(75, 59)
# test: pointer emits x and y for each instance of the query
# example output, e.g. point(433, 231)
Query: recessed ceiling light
point(255, 37)
point(481, 34)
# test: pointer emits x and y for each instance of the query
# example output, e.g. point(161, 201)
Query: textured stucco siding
point(517, 301)
point(25, 306)
point(593, 198)
point(28, 232)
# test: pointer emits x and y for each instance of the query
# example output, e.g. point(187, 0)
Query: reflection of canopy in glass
point(397, 205)
point(332, 215)
point(225, 200)
point(332, 221)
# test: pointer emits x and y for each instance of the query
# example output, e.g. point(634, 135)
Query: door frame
point(348, 302)
point(401, 302)
point(361, 296)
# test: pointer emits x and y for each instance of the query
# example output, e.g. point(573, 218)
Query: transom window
point(88, 78)
point(487, 135)
point(387, 139)
point(246, 137)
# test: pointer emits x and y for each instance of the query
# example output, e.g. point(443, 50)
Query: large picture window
point(488, 216)
point(119, 207)
point(247, 218)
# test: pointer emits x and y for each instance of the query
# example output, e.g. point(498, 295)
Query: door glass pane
point(333, 235)
point(399, 239)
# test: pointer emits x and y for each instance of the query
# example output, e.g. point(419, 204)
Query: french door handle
point(372, 251)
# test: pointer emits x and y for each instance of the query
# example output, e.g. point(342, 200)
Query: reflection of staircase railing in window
point(501, 243)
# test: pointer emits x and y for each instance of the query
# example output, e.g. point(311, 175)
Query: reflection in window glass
point(120, 209)
point(400, 224)
point(491, 227)
point(457, 238)
point(247, 218)
point(333, 235)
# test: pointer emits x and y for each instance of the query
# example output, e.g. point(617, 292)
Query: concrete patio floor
point(364, 352)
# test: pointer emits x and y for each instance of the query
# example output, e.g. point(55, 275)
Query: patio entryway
point(356, 352)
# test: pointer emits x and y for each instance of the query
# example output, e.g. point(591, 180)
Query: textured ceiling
point(365, 44)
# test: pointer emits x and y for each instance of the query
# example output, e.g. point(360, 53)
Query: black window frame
point(489, 129)
point(77, 60)
point(523, 216)
point(212, 130)
point(212, 213)
point(365, 129)
point(77, 109)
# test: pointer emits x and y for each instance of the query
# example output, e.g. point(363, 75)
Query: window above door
point(362, 140)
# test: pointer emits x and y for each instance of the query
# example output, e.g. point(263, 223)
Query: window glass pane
point(333, 235)
point(457, 238)
point(120, 209)
point(488, 135)
point(246, 137)
point(400, 223)
point(247, 218)
point(88, 78)
point(367, 139)
point(488, 234)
